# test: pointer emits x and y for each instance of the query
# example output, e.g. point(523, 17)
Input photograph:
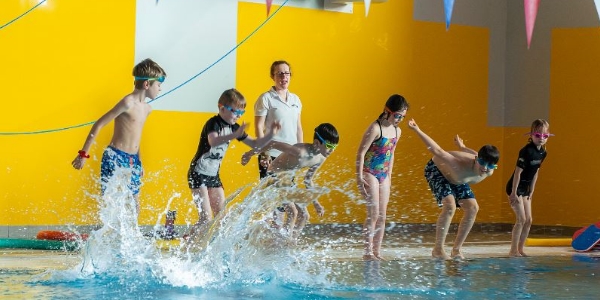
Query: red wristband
point(82, 154)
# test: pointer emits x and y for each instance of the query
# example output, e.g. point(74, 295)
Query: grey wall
point(519, 78)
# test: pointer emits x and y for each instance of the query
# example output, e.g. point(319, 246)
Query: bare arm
point(120, 108)
point(432, 146)
point(259, 126)
point(461, 145)
point(369, 136)
point(299, 132)
point(533, 181)
point(259, 143)
point(214, 139)
point(310, 173)
point(516, 178)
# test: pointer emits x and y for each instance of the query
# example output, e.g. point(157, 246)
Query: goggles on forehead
point(328, 145)
point(490, 166)
point(396, 115)
point(540, 135)
point(160, 79)
point(238, 112)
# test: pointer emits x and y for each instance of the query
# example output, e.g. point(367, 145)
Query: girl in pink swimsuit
point(374, 162)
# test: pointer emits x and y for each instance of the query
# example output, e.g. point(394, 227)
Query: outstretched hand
point(240, 131)
point(246, 157)
point(78, 162)
point(459, 142)
point(413, 125)
point(275, 127)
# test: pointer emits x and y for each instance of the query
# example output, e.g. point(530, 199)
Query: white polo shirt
point(269, 104)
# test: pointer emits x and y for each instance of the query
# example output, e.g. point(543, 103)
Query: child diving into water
point(294, 158)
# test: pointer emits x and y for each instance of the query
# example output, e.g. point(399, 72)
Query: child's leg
point(517, 231)
point(200, 198)
point(303, 217)
point(372, 199)
point(470, 209)
point(217, 200)
point(384, 197)
point(442, 226)
point(526, 224)
point(291, 215)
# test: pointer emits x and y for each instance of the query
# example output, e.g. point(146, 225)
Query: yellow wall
point(345, 67)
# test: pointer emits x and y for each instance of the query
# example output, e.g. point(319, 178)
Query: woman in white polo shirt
point(278, 104)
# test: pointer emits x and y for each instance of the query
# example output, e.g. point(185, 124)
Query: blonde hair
point(149, 69)
point(233, 98)
point(538, 125)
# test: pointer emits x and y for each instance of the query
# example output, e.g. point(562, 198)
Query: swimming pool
point(237, 258)
point(26, 275)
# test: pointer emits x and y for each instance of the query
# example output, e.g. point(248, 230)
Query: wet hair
point(394, 103)
point(537, 126)
point(147, 68)
point(489, 154)
point(277, 63)
point(233, 98)
point(327, 132)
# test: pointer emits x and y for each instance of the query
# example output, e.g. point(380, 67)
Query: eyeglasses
point(490, 166)
point(283, 74)
point(238, 112)
point(540, 135)
point(328, 145)
point(160, 79)
point(396, 115)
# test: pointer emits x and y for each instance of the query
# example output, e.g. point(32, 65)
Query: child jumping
point(449, 174)
point(374, 162)
point(203, 175)
point(130, 116)
point(521, 184)
point(296, 157)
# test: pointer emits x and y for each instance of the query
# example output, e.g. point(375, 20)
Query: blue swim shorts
point(114, 158)
point(441, 187)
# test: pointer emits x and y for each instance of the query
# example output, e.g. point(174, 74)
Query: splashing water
point(240, 246)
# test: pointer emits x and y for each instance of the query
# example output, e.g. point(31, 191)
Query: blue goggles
point(160, 79)
point(490, 166)
point(328, 145)
point(238, 112)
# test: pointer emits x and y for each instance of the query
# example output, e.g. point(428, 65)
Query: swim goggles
point(540, 135)
point(395, 114)
point(160, 79)
point(238, 112)
point(490, 166)
point(328, 145)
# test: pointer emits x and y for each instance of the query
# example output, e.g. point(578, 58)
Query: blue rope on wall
point(164, 94)
point(23, 14)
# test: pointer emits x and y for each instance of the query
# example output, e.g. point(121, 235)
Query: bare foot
point(378, 256)
point(514, 254)
point(523, 253)
point(370, 257)
point(456, 254)
point(439, 253)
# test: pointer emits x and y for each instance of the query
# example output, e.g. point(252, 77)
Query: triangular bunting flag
point(269, 2)
point(367, 5)
point(448, 5)
point(531, 8)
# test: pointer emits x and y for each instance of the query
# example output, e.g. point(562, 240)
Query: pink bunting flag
point(531, 8)
point(448, 5)
point(269, 2)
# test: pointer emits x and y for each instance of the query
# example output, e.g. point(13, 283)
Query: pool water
point(544, 277)
point(241, 257)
